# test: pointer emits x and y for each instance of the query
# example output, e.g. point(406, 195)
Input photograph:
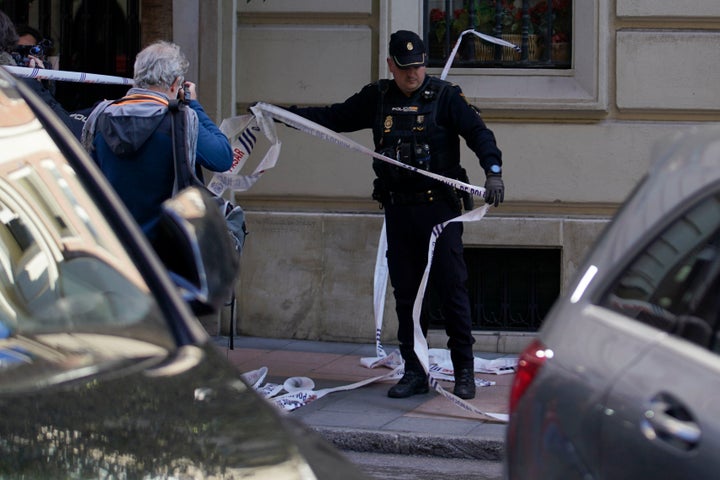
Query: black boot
point(464, 383)
point(413, 382)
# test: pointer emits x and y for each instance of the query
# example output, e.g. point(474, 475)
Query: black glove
point(494, 189)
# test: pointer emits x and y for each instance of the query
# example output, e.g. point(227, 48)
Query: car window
point(673, 284)
point(62, 268)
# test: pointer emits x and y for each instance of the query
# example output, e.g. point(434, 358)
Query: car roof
point(684, 168)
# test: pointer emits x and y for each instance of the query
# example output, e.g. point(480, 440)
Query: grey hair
point(159, 64)
point(8, 35)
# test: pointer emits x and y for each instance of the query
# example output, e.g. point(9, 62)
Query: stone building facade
point(574, 142)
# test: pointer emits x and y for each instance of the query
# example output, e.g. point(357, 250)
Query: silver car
point(623, 380)
point(104, 370)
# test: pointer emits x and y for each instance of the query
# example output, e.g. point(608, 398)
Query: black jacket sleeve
point(466, 120)
point(56, 107)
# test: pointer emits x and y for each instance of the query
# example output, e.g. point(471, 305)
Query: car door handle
point(667, 420)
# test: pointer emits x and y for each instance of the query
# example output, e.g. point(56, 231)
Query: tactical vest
point(406, 129)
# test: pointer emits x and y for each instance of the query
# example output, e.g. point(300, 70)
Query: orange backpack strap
point(140, 98)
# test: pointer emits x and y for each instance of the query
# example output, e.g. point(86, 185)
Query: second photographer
point(8, 47)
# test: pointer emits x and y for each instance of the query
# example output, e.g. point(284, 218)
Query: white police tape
point(420, 346)
point(300, 389)
point(265, 113)
point(67, 76)
point(380, 288)
point(487, 38)
point(242, 131)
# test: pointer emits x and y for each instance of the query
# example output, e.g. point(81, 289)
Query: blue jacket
point(132, 144)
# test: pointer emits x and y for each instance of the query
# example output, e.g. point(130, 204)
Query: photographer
point(131, 138)
point(8, 46)
point(31, 43)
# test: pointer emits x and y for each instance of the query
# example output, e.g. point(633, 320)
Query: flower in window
point(559, 19)
point(461, 21)
point(437, 24)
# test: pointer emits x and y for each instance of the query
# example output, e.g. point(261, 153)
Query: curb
point(407, 443)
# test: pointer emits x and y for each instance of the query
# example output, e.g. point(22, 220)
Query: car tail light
point(529, 364)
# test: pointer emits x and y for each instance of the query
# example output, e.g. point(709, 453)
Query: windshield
point(63, 271)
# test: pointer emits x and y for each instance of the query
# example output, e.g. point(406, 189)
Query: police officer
point(418, 120)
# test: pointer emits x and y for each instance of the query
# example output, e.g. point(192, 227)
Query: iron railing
point(510, 289)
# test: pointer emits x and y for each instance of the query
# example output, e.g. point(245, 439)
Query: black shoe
point(465, 383)
point(411, 383)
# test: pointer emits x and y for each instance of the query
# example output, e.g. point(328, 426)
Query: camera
point(186, 93)
point(21, 53)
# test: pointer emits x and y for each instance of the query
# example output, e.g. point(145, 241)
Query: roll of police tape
point(298, 384)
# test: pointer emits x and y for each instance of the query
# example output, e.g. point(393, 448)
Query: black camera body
point(186, 93)
point(21, 53)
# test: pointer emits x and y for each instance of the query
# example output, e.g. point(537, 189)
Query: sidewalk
point(365, 419)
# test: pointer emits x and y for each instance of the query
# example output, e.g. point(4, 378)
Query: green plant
point(485, 16)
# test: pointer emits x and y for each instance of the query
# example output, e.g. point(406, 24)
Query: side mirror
point(195, 245)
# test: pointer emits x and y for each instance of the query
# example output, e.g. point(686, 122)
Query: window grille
point(510, 289)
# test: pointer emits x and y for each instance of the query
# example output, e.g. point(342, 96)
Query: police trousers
point(408, 229)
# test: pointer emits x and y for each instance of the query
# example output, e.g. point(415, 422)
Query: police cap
point(407, 49)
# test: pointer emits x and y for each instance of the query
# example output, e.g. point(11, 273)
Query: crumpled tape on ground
point(444, 372)
point(255, 377)
point(503, 417)
point(300, 389)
